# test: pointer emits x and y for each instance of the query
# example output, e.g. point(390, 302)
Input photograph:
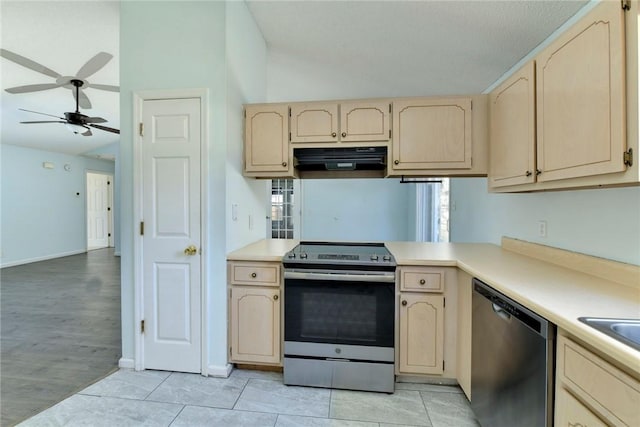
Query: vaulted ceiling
point(419, 47)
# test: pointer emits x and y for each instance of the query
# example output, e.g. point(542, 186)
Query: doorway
point(99, 210)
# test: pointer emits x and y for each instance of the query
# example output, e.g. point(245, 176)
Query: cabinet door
point(421, 334)
point(255, 325)
point(432, 133)
point(513, 134)
point(317, 122)
point(569, 412)
point(581, 98)
point(364, 121)
point(267, 138)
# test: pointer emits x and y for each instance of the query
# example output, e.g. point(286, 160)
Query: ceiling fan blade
point(108, 129)
point(83, 100)
point(87, 133)
point(93, 65)
point(110, 88)
point(32, 88)
point(43, 121)
point(44, 114)
point(94, 120)
point(25, 62)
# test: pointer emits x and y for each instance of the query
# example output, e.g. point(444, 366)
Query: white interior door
point(98, 210)
point(171, 217)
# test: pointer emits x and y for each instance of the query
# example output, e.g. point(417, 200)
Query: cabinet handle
point(254, 275)
point(275, 297)
point(396, 162)
point(344, 134)
point(333, 134)
point(528, 173)
point(422, 281)
point(284, 164)
point(404, 302)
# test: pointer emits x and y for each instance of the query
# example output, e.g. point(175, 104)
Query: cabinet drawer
point(613, 393)
point(570, 412)
point(255, 274)
point(422, 279)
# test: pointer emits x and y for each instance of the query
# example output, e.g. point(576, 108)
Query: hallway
point(60, 330)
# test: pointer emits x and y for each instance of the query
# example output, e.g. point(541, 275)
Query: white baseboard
point(220, 371)
point(126, 363)
point(41, 258)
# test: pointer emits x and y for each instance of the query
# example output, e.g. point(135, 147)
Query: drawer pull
point(254, 275)
point(422, 281)
point(275, 297)
point(404, 302)
point(344, 134)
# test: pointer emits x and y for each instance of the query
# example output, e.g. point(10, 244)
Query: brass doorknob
point(404, 302)
point(191, 250)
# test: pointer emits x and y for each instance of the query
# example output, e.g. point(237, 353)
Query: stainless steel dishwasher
point(512, 365)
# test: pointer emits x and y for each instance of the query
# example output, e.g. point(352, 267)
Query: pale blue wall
point(603, 222)
point(356, 209)
point(172, 45)
point(41, 215)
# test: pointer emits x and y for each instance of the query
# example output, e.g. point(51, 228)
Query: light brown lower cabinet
point(590, 391)
point(421, 334)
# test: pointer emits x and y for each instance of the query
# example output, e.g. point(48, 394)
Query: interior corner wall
point(43, 211)
point(246, 202)
point(602, 222)
point(176, 45)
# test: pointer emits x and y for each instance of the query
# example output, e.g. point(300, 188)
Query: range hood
point(351, 159)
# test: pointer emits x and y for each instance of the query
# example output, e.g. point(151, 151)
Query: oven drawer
point(254, 273)
point(421, 279)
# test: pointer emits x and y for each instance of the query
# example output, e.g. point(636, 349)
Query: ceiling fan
point(89, 68)
point(76, 122)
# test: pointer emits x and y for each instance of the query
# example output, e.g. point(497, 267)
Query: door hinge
point(289, 136)
point(443, 365)
point(389, 107)
point(444, 302)
point(628, 157)
point(141, 129)
point(389, 133)
point(142, 228)
point(245, 113)
point(230, 351)
point(142, 326)
point(289, 111)
point(626, 4)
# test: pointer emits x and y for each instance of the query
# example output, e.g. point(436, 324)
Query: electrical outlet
point(542, 228)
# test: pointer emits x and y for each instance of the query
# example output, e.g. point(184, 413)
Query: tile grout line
point(156, 387)
point(177, 415)
point(426, 410)
point(233, 407)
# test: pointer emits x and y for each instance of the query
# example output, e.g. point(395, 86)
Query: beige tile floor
point(252, 399)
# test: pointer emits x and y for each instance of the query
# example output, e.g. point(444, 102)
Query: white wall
point(356, 209)
point(183, 44)
point(599, 222)
point(42, 217)
point(246, 83)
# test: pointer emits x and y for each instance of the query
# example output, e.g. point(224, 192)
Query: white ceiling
point(419, 47)
point(61, 35)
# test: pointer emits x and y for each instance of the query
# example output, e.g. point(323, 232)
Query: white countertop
point(559, 294)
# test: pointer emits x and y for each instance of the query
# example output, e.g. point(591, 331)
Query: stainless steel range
point(339, 316)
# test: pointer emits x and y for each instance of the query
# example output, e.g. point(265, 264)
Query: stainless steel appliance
point(511, 362)
point(339, 316)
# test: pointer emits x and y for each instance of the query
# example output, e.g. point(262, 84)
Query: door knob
point(191, 250)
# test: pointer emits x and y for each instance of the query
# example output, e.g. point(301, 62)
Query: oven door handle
point(342, 277)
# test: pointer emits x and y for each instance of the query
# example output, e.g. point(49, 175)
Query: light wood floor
point(60, 330)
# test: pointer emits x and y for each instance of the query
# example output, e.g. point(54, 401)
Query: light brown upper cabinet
point(431, 133)
point(266, 143)
point(513, 137)
point(581, 98)
point(340, 122)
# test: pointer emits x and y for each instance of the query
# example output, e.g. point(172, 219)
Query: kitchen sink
point(626, 331)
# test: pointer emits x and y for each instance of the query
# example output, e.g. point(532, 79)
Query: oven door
point(353, 310)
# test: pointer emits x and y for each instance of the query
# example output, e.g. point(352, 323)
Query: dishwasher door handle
point(502, 313)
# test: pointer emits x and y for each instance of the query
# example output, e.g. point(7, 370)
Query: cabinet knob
point(538, 172)
point(396, 162)
point(333, 134)
point(422, 281)
point(528, 173)
point(344, 134)
point(284, 164)
point(254, 275)
point(275, 297)
point(404, 302)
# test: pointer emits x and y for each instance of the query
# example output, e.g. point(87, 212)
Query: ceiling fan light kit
point(74, 121)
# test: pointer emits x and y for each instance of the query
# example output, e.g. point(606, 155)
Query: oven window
point(330, 312)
